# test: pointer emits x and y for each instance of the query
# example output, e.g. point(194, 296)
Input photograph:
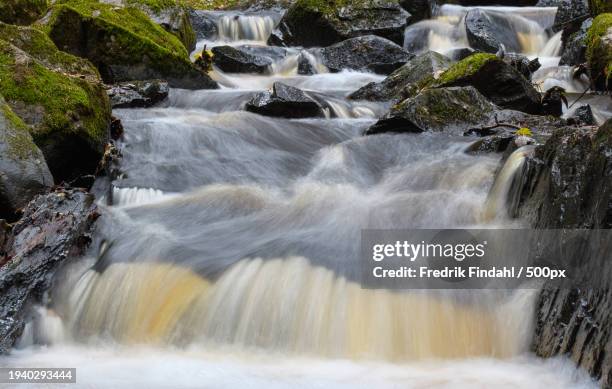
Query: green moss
point(68, 104)
point(123, 21)
point(21, 11)
point(465, 67)
point(38, 45)
point(599, 53)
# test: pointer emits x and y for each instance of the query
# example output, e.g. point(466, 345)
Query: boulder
point(54, 228)
point(418, 9)
point(497, 80)
point(522, 63)
point(406, 81)
point(21, 12)
point(138, 94)
point(316, 23)
point(599, 51)
point(453, 110)
point(568, 12)
point(246, 58)
point(23, 170)
point(569, 185)
point(574, 49)
point(204, 25)
point(582, 116)
point(175, 20)
point(487, 30)
point(124, 44)
point(62, 101)
point(364, 53)
point(284, 101)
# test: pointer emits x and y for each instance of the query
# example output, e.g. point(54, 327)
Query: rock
point(54, 227)
point(406, 81)
point(246, 58)
point(22, 12)
point(175, 20)
point(487, 29)
point(599, 51)
point(23, 170)
point(516, 3)
point(495, 79)
point(316, 23)
point(138, 94)
point(599, 7)
point(522, 63)
point(284, 101)
point(68, 113)
point(491, 144)
point(452, 110)
point(459, 111)
point(553, 101)
point(460, 53)
point(570, 186)
point(418, 9)
point(583, 116)
point(203, 24)
point(568, 11)
point(574, 49)
point(364, 53)
point(137, 50)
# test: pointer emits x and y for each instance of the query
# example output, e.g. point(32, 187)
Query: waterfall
point(245, 27)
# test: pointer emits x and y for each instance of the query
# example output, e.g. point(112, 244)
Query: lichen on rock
point(599, 51)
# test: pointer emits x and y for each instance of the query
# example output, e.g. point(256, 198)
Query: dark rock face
point(21, 12)
point(570, 186)
point(246, 58)
point(524, 65)
point(53, 228)
point(418, 9)
point(574, 49)
point(501, 83)
point(138, 94)
point(369, 53)
point(177, 21)
point(284, 101)
point(23, 170)
point(568, 11)
point(583, 116)
point(486, 30)
point(405, 81)
point(203, 24)
point(309, 25)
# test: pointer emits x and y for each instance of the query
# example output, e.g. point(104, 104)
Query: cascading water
point(233, 243)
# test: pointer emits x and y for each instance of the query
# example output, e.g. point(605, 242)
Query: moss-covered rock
point(123, 43)
point(69, 116)
point(599, 51)
point(600, 6)
point(495, 79)
point(39, 46)
point(406, 81)
point(23, 170)
point(21, 11)
point(312, 23)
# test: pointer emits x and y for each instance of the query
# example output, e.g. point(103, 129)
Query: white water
point(233, 258)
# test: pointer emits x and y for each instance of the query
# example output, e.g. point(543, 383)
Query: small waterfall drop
point(245, 27)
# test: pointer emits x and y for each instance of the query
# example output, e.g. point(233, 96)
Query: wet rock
point(138, 94)
point(583, 116)
point(175, 20)
point(138, 50)
point(574, 49)
point(460, 53)
point(418, 9)
point(364, 53)
point(553, 101)
point(406, 81)
point(311, 23)
point(21, 12)
point(305, 67)
point(600, 6)
point(246, 58)
point(599, 52)
point(284, 101)
point(54, 227)
point(497, 80)
point(491, 144)
point(568, 12)
point(487, 29)
point(60, 97)
point(23, 170)
point(570, 186)
point(452, 110)
point(116, 128)
point(522, 63)
point(203, 24)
